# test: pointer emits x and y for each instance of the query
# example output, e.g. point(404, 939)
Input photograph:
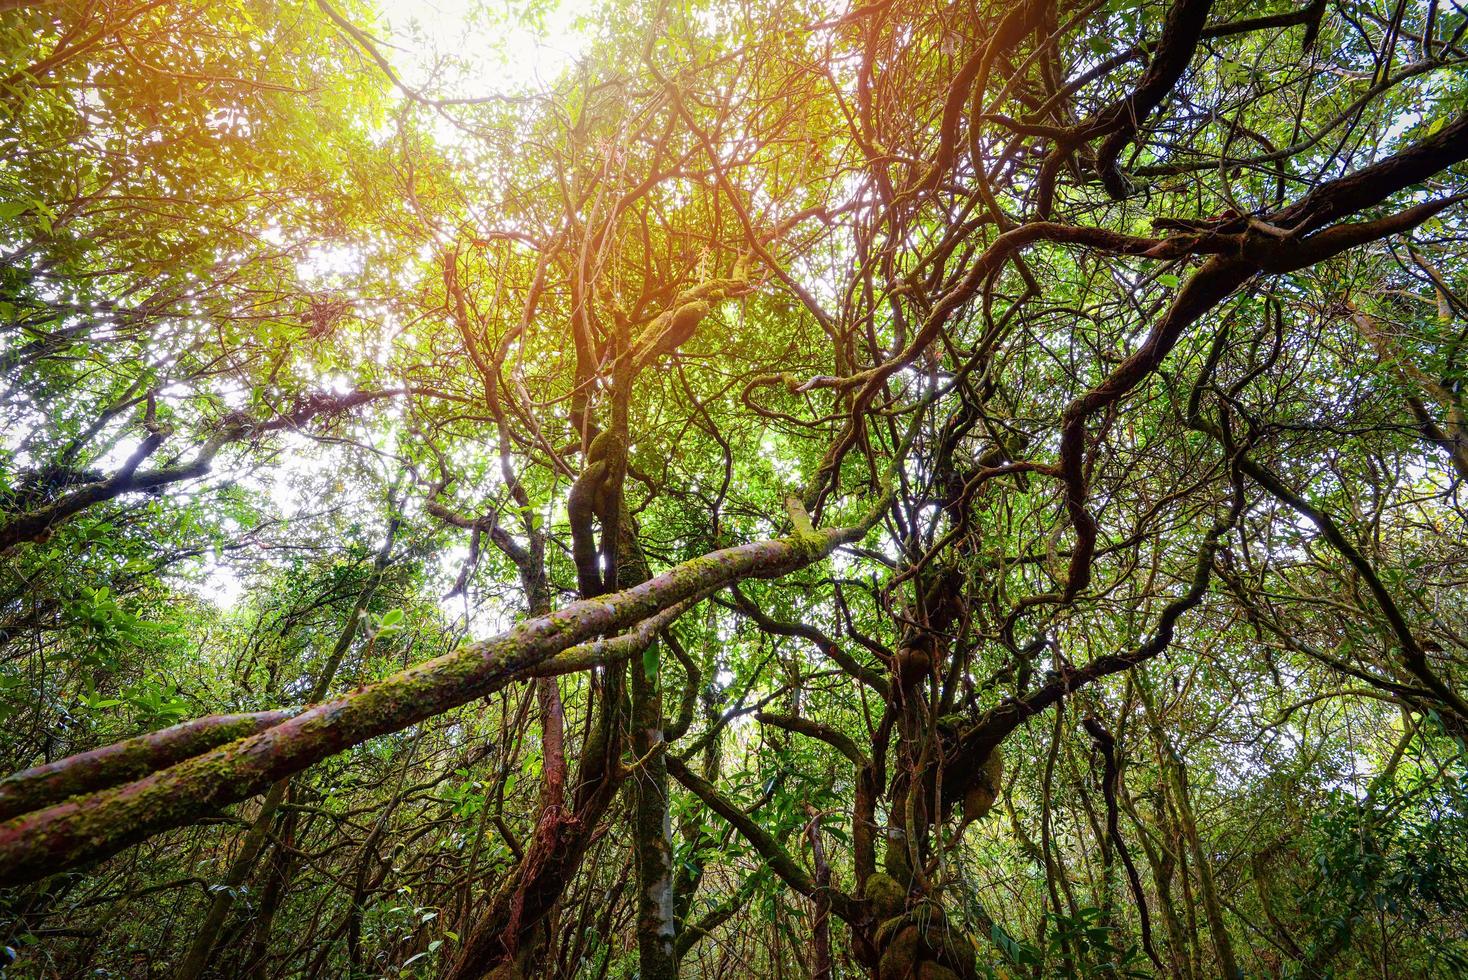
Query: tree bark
point(653, 839)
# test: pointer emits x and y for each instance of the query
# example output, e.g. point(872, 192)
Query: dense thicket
point(918, 490)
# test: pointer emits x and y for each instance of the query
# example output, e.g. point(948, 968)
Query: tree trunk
point(653, 835)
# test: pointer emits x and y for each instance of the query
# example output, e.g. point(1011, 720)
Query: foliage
point(1019, 448)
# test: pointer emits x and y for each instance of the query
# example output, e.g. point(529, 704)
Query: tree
point(904, 491)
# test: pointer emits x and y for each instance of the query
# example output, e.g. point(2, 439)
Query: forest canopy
point(770, 488)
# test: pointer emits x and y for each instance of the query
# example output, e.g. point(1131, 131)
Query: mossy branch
point(100, 824)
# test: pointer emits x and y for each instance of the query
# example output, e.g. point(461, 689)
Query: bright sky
point(502, 51)
point(493, 48)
